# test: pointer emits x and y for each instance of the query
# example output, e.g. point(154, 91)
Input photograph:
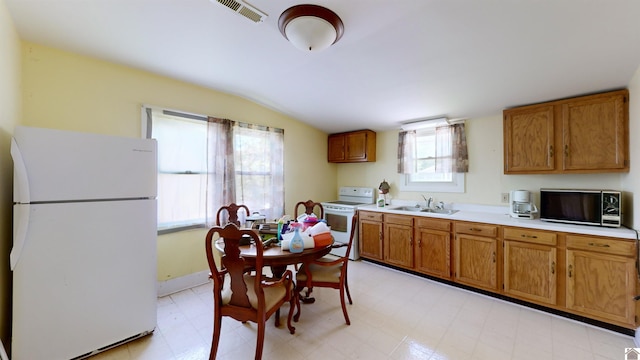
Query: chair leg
point(277, 320)
point(344, 306)
point(346, 286)
point(215, 340)
point(292, 304)
point(297, 291)
point(260, 340)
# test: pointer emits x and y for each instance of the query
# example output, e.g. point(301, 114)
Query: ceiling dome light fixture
point(310, 27)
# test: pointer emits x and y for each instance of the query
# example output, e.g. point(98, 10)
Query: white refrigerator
point(84, 242)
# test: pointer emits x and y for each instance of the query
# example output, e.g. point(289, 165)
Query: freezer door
point(85, 278)
point(56, 165)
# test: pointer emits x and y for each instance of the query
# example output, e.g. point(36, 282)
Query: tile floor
point(394, 316)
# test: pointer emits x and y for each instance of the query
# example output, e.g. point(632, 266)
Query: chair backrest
point(232, 213)
point(308, 208)
point(233, 264)
point(354, 227)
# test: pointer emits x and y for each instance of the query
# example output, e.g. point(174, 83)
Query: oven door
point(340, 221)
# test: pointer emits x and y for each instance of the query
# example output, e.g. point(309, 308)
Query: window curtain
point(260, 184)
point(451, 150)
point(406, 152)
point(220, 167)
point(253, 175)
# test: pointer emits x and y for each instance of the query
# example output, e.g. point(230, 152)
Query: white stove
point(339, 214)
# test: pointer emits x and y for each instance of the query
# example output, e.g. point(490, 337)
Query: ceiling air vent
point(244, 9)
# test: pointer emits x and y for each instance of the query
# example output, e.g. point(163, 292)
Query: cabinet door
point(594, 133)
point(371, 239)
point(530, 271)
point(476, 261)
point(398, 244)
point(433, 252)
point(336, 147)
point(356, 146)
point(529, 139)
point(601, 285)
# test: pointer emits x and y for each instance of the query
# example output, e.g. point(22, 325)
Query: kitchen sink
point(407, 208)
point(419, 209)
point(440, 211)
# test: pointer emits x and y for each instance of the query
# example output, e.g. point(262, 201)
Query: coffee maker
point(521, 205)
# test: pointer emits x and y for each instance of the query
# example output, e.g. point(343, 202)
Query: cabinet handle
point(570, 269)
point(410, 241)
point(550, 151)
point(529, 236)
point(600, 245)
point(494, 256)
point(553, 267)
point(474, 229)
point(420, 243)
point(566, 150)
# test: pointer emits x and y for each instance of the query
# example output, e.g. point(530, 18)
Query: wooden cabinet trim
point(558, 136)
point(352, 147)
point(530, 236)
point(398, 219)
point(432, 223)
point(602, 245)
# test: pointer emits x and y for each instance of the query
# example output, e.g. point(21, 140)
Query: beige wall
point(485, 180)
point(631, 181)
point(67, 91)
point(9, 115)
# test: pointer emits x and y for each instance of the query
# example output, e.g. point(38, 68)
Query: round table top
point(275, 256)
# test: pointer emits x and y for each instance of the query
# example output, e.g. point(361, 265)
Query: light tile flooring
point(394, 316)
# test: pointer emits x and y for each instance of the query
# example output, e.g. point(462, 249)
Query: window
point(428, 160)
point(205, 163)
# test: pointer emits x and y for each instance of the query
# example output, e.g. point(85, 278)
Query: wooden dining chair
point(329, 272)
point(309, 206)
point(242, 295)
point(232, 213)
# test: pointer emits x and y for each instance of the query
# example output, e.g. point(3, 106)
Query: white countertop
point(499, 215)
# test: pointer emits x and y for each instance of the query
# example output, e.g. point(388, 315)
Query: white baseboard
point(636, 338)
point(171, 286)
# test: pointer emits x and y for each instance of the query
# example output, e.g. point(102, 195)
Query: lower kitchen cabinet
point(601, 278)
point(530, 265)
point(586, 275)
point(433, 247)
point(370, 235)
point(476, 256)
point(398, 240)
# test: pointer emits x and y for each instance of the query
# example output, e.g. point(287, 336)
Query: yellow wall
point(9, 115)
point(631, 181)
point(485, 180)
point(67, 91)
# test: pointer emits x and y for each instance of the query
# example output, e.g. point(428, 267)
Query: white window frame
point(456, 185)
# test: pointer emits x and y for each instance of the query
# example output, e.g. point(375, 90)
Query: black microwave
point(588, 207)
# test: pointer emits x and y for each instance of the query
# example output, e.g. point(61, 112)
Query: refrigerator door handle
point(21, 191)
point(21, 215)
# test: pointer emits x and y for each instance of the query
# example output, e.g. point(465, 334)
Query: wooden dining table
point(276, 258)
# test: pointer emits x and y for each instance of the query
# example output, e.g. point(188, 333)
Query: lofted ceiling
point(398, 60)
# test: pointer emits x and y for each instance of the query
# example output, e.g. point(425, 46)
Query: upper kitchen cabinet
point(587, 134)
point(355, 146)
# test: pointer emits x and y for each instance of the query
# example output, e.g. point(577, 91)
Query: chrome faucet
point(428, 201)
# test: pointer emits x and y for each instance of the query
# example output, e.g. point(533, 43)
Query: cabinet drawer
point(530, 236)
point(398, 219)
point(602, 245)
point(372, 216)
point(476, 229)
point(435, 224)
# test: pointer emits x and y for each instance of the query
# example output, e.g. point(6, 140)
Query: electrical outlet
point(505, 197)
